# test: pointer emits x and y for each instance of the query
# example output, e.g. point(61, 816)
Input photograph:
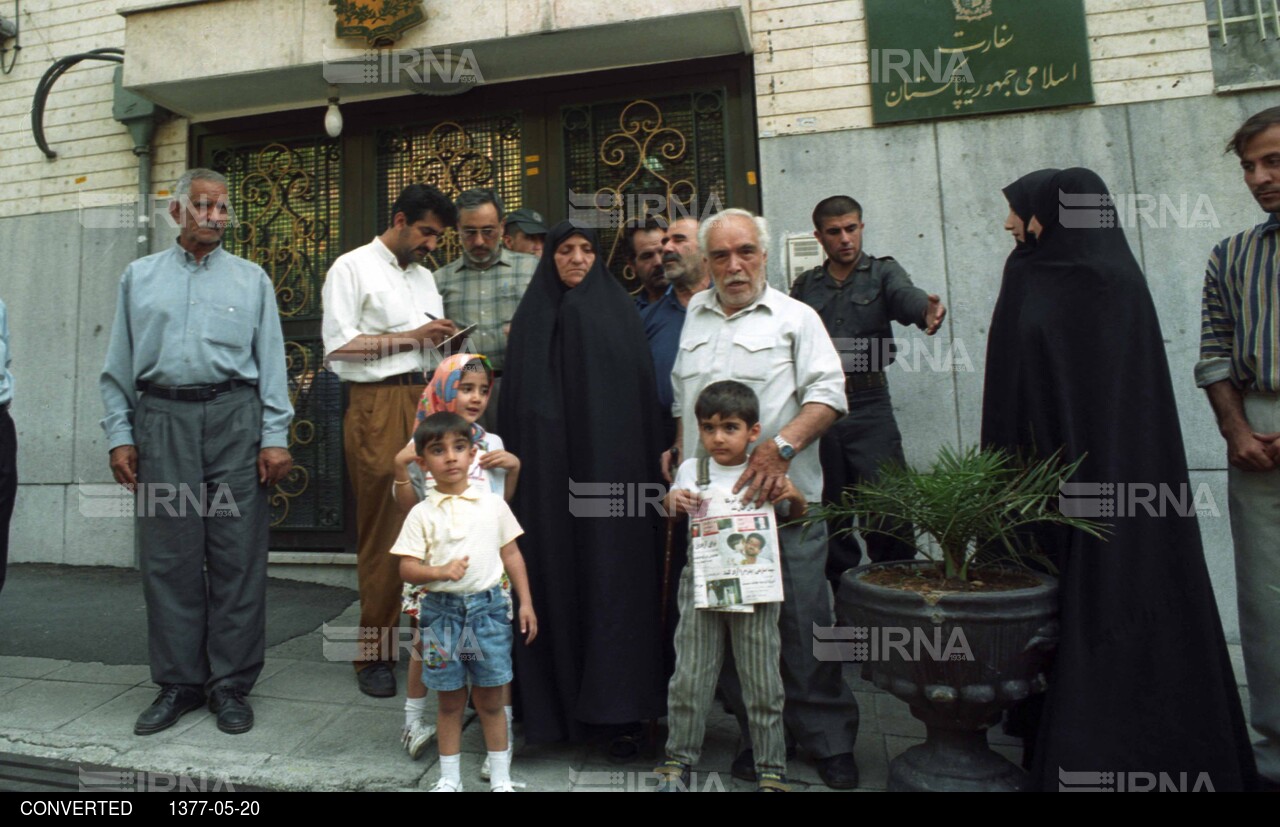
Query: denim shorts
point(465, 636)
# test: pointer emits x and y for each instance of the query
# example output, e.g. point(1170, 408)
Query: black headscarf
point(578, 406)
point(1020, 195)
point(1142, 681)
point(1002, 351)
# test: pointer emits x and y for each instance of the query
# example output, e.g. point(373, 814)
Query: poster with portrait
point(734, 550)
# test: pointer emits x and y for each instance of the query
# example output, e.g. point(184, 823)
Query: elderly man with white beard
point(745, 330)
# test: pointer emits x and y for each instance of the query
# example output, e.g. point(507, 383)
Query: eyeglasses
point(487, 233)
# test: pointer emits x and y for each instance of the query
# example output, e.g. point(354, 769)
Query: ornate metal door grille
point(302, 200)
point(453, 156)
point(657, 155)
point(286, 198)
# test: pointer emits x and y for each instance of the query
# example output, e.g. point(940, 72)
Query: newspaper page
point(734, 551)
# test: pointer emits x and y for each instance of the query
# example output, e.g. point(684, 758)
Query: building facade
point(567, 105)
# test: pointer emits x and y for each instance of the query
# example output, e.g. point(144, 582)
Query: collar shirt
point(663, 320)
point(475, 524)
point(487, 298)
point(6, 358)
point(180, 322)
point(1240, 311)
point(368, 292)
point(776, 346)
point(858, 311)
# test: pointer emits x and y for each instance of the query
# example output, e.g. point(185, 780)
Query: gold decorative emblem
point(969, 10)
point(380, 22)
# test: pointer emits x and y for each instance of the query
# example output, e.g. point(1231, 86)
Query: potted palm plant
point(969, 631)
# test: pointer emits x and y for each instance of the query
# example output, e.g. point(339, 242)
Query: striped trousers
point(700, 651)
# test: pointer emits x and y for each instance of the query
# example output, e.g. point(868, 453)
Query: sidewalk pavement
point(314, 730)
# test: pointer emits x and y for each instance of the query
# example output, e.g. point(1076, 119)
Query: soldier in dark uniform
point(858, 295)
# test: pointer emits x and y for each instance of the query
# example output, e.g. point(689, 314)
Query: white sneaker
point(444, 785)
point(417, 737)
point(502, 788)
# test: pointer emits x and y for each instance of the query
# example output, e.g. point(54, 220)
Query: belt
point(191, 393)
point(865, 381)
point(413, 377)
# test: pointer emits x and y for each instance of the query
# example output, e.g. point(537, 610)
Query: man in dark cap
point(525, 232)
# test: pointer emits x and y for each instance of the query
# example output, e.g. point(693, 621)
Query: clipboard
point(446, 347)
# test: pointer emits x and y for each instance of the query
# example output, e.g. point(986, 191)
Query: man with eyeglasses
point(484, 285)
point(382, 325)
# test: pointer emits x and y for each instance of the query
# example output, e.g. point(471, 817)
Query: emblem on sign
point(379, 22)
point(968, 10)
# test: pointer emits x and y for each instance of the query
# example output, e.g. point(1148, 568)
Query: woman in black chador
point(1075, 361)
point(577, 406)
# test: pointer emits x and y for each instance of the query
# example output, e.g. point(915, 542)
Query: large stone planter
point(959, 661)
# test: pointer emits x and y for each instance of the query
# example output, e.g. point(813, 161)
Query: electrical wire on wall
point(61, 65)
point(7, 34)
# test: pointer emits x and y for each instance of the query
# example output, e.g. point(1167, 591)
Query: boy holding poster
point(728, 415)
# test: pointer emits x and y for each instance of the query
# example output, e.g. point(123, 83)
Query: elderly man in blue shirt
point(197, 422)
point(8, 444)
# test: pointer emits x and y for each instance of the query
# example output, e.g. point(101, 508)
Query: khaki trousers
point(378, 422)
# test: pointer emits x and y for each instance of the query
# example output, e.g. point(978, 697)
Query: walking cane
point(665, 599)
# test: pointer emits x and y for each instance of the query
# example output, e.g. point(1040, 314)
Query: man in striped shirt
point(1239, 367)
point(484, 285)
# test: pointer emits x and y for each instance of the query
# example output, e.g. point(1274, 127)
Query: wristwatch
point(786, 449)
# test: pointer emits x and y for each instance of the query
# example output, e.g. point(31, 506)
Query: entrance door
point(669, 140)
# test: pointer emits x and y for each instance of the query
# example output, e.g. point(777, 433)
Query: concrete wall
point(60, 283)
point(932, 198)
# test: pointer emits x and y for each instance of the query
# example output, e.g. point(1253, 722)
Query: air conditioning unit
point(803, 253)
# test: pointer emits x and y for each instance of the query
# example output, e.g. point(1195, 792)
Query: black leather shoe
point(234, 715)
point(377, 680)
point(839, 772)
point(744, 766)
point(174, 701)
